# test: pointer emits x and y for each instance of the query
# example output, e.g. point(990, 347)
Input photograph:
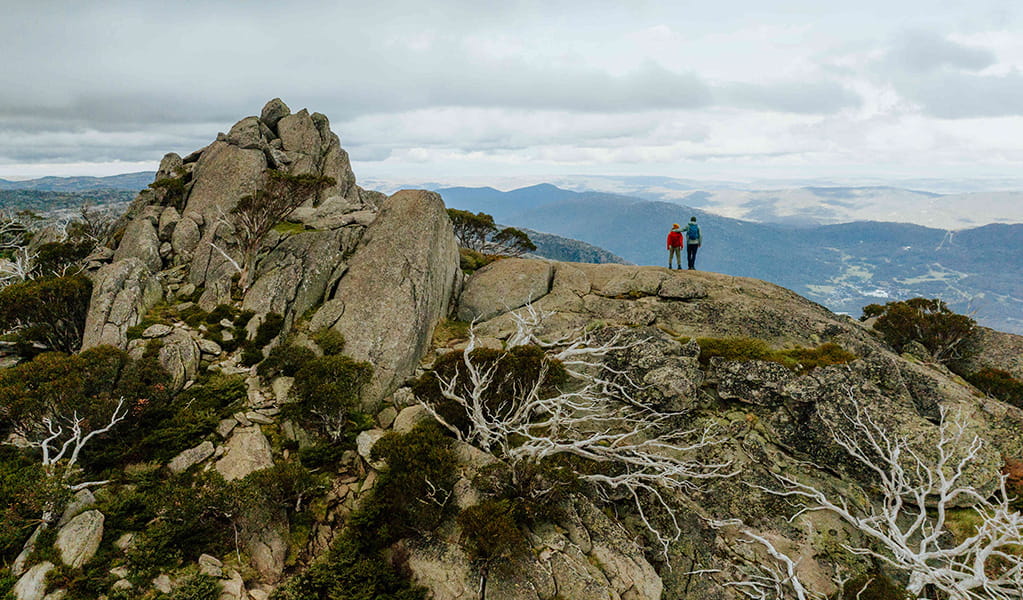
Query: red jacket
point(675, 240)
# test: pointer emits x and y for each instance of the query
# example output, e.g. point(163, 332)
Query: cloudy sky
point(735, 89)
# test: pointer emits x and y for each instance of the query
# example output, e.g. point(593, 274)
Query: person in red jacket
point(675, 244)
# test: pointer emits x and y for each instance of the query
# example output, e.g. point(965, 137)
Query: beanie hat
point(674, 225)
point(692, 219)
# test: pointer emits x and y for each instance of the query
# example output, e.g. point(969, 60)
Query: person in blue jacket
point(693, 240)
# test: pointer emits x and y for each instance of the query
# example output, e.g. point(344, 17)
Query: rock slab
point(79, 539)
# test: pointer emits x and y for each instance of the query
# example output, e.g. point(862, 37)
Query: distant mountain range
point(128, 181)
point(844, 267)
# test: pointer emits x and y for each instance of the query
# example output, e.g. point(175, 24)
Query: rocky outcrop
point(32, 585)
point(397, 287)
point(78, 540)
point(247, 451)
point(122, 293)
point(187, 459)
point(502, 286)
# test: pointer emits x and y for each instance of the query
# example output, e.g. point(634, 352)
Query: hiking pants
point(691, 255)
point(676, 253)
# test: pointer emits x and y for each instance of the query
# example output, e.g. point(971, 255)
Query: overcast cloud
point(453, 87)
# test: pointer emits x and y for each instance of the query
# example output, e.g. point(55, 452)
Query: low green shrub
point(948, 336)
point(285, 359)
point(331, 341)
point(350, 572)
point(49, 310)
point(54, 258)
point(471, 261)
point(490, 532)
point(24, 493)
point(998, 384)
point(412, 495)
point(196, 587)
point(271, 326)
point(801, 360)
point(328, 388)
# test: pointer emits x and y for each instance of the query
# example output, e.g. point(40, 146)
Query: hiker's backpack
point(693, 232)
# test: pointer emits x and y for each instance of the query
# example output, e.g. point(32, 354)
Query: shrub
point(286, 359)
point(947, 335)
point(471, 261)
point(349, 572)
point(50, 311)
point(192, 518)
point(251, 355)
point(55, 258)
point(998, 384)
point(328, 389)
point(537, 491)
point(515, 370)
point(24, 494)
point(196, 587)
point(271, 326)
point(174, 190)
point(489, 531)
point(412, 493)
point(331, 341)
point(801, 360)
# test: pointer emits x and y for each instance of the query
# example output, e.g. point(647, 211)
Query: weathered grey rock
point(259, 418)
point(247, 451)
point(273, 112)
point(246, 134)
point(82, 500)
point(122, 293)
point(281, 387)
point(299, 133)
point(140, 241)
point(210, 565)
point(226, 426)
point(79, 539)
point(296, 275)
point(233, 588)
point(191, 457)
point(157, 331)
point(208, 347)
point(185, 239)
point(502, 286)
point(223, 174)
point(170, 165)
point(443, 568)
point(264, 535)
point(395, 290)
point(32, 585)
point(169, 219)
point(680, 287)
point(365, 442)
point(385, 418)
point(410, 416)
point(180, 356)
point(163, 583)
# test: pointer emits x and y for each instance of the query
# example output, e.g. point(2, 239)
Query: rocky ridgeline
point(384, 272)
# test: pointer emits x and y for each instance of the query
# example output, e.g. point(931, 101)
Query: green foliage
point(471, 261)
point(478, 233)
point(489, 531)
point(191, 518)
point(221, 312)
point(537, 491)
point(514, 241)
point(271, 326)
point(90, 386)
point(7, 581)
point(48, 310)
point(286, 359)
point(801, 360)
point(24, 493)
point(285, 485)
point(54, 258)
point(948, 336)
point(331, 341)
point(174, 190)
point(328, 388)
point(412, 494)
point(515, 370)
point(196, 587)
point(998, 384)
point(349, 572)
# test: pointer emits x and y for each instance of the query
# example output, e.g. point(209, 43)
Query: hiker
point(693, 239)
point(675, 244)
